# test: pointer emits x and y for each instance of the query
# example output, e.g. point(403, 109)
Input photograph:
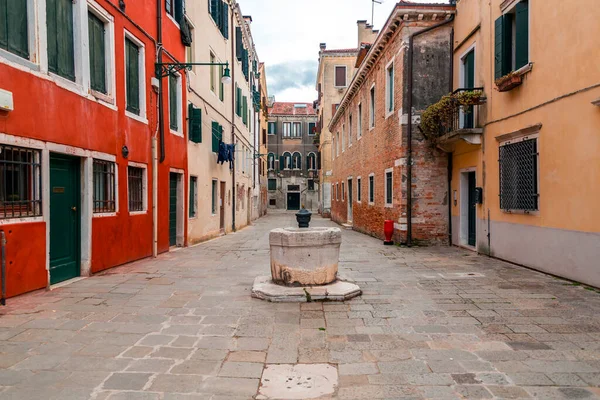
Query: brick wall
point(385, 146)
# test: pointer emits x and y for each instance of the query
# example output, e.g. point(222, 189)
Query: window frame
point(271, 162)
point(359, 127)
point(372, 107)
point(109, 54)
point(214, 190)
point(193, 195)
point(358, 189)
point(142, 117)
point(213, 72)
point(350, 130)
point(269, 184)
point(311, 156)
point(34, 180)
point(389, 190)
point(389, 89)
point(515, 140)
point(371, 189)
point(296, 130)
point(115, 188)
point(179, 100)
point(144, 169)
point(335, 83)
point(287, 165)
point(274, 125)
point(289, 130)
point(296, 157)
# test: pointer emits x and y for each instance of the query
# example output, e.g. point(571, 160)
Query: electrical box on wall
point(6, 100)
point(478, 195)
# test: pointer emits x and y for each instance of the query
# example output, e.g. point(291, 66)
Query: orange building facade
point(88, 178)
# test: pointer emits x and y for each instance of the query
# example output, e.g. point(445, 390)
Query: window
point(343, 192)
point(340, 76)
point(297, 161)
point(217, 136)
point(511, 50)
point(371, 189)
point(59, 23)
point(358, 189)
point(221, 84)
point(193, 206)
point(287, 126)
point(337, 148)
point(343, 138)
point(271, 161)
point(359, 130)
point(175, 114)
point(333, 144)
point(273, 202)
point(311, 185)
point(245, 110)
point(195, 121)
point(14, 35)
point(335, 191)
point(219, 11)
point(104, 186)
point(272, 184)
point(287, 160)
point(213, 74)
point(272, 128)
point(238, 100)
point(20, 182)
point(189, 51)
point(389, 89)
point(350, 130)
point(175, 8)
point(213, 208)
point(136, 185)
point(389, 185)
point(312, 128)
point(296, 129)
point(97, 53)
point(519, 176)
point(311, 161)
point(372, 107)
point(133, 83)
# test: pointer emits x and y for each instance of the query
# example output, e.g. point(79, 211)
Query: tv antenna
point(373, 10)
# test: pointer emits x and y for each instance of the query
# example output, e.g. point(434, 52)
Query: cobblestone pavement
point(436, 323)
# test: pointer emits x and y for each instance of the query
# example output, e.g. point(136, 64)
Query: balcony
point(455, 117)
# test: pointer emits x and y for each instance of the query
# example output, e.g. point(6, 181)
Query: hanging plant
point(508, 81)
point(439, 116)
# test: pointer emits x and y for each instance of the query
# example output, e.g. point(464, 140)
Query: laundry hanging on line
point(226, 153)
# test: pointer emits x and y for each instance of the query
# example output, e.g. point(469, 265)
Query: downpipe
point(3, 272)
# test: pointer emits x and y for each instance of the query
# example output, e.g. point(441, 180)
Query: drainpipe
point(161, 128)
point(233, 119)
point(450, 159)
point(154, 197)
point(3, 271)
point(409, 124)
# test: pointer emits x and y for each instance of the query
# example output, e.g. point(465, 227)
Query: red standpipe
point(388, 231)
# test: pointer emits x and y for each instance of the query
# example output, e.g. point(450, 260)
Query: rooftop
point(292, 108)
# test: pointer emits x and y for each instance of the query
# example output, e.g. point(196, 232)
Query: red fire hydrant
point(388, 231)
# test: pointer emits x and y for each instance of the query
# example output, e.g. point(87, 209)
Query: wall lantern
point(125, 151)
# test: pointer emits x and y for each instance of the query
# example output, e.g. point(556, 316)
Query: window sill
point(389, 205)
point(176, 133)
point(371, 128)
point(173, 20)
point(105, 215)
point(371, 204)
point(136, 117)
point(103, 97)
point(18, 62)
point(522, 212)
point(24, 220)
point(389, 114)
point(193, 218)
point(133, 213)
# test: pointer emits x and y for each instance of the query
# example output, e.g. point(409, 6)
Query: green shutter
point(217, 135)
point(522, 35)
point(59, 22)
point(192, 190)
point(215, 10)
point(132, 54)
point(14, 35)
point(221, 85)
point(97, 54)
point(239, 42)
point(173, 111)
point(245, 110)
point(281, 163)
point(225, 19)
point(499, 48)
point(238, 102)
point(169, 6)
point(195, 129)
point(178, 12)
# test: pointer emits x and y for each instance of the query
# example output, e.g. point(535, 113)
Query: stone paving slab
point(431, 323)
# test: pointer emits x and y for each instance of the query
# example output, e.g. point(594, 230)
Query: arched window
point(297, 161)
point(287, 160)
point(271, 161)
point(311, 161)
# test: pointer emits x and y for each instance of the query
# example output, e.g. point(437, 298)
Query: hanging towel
point(231, 155)
point(223, 153)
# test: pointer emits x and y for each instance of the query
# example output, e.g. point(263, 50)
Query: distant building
point(292, 161)
point(262, 141)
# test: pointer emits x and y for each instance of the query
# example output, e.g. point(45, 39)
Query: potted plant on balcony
point(438, 118)
point(509, 81)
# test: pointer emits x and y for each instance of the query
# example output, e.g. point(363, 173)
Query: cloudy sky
point(287, 34)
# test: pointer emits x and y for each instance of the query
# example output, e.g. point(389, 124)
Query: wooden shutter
point(217, 134)
point(215, 10)
point(14, 35)
point(59, 22)
point(169, 6)
point(499, 48)
point(245, 110)
point(221, 85)
point(195, 118)
point(178, 11)
point(522, 35)
point(132, 54)
point(173, 112)
point(97, 54)
point(340, 76)
point(192, 189)
point(239, 42)
point(225, 19)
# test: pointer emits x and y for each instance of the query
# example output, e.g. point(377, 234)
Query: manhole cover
point(299, 381)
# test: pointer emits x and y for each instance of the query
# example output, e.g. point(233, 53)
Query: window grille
point(104, 186)
point(135, 178)
point(519, 175)
point(20, 182)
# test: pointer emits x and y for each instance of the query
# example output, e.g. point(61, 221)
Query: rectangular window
point(272, 128)
point(132, 76)
point(245, 110)
point(214, 203)
point(371, 189)
point(195, 124)
point(135, 180)
point(287, 127)
point(340, 76)
point(14, 34)
point(273, 202)
point(343, 192)
point(312, 128)
point(193, 206)
point(213, 74)
point(389, 88)
point(173, 103)
point(189, 51)
point(519, 176)
point(359, 130)
point(511, 47)
point(217, 136)
point(350, 130)
point(389, 187)
point(97, 45)
point(175, 9)
point(372, 107)
point(59, 23)
point(221, 84)
point(272, 184)
point(104, 186)
point(311, 185)
point(20, 182)
point(358, 189)
point(238, 101)
point(297, 130)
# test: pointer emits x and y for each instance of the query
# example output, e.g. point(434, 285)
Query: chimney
point(323, 46)
point(366, 34)
point(248, 19)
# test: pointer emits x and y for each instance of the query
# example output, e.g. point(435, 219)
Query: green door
point(172, 209)
point(293, 201)
point(472, 238)
point(64, 218)
point(469, 83)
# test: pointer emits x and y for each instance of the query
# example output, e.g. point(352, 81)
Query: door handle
point(73, 208)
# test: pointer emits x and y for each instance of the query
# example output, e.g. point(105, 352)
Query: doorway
point(65, 218)
point(222, 207)
point(293, 201)
point(350, 200)
point(173, 209)
point(468, 209)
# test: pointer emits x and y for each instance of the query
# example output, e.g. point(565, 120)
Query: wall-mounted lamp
point(125, 151)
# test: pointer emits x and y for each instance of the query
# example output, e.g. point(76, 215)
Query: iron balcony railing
point(463, 116)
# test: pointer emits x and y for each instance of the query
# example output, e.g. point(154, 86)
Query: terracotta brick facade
point(381, 149)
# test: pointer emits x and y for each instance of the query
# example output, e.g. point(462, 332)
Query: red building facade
point(80, 138)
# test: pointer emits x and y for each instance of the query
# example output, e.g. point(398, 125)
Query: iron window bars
point(20, 182)
point(519, 176)
point(135, 179)
point(104, 186)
